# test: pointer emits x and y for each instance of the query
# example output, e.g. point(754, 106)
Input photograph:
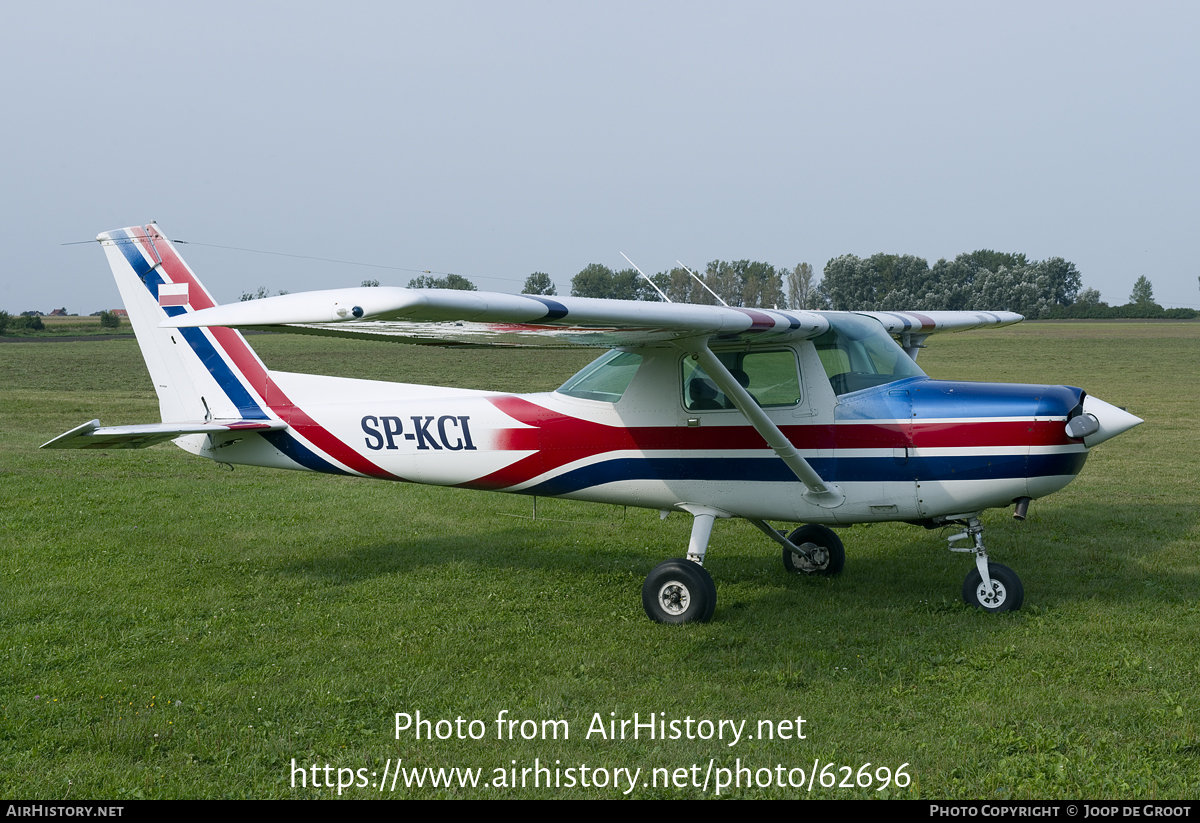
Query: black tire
point(826, 538)
point(679, 591)
point(1007, 593)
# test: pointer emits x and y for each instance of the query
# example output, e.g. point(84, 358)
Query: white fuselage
point(648, 449)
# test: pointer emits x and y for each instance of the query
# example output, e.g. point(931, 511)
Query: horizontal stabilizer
point(91, 436)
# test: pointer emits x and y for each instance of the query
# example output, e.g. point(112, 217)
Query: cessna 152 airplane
point(821, 418)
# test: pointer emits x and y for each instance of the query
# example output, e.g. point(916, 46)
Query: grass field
point(172, 629)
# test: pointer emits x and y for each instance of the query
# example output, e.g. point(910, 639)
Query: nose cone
point(1111, 420)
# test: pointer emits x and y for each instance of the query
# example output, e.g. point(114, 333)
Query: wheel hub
point(995, 597)
point(818, 558)
point(674, 598)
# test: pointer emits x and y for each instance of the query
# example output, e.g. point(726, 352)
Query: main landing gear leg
point(990, 586)
point(682, 590)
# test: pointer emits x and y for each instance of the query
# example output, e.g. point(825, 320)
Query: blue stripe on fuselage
point(293, 449)
point(835, 469)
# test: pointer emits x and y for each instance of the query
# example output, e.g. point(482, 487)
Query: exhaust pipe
point(1022, 508)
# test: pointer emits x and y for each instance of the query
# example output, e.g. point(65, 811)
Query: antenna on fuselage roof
point(648, 280)
point(702, 283)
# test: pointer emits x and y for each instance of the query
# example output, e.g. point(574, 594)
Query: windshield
point(858, 353)
point(605, 378)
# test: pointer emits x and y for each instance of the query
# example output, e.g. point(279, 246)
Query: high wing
point(448, 317)
point(898, 323)
point(445, 317)
point(911, 328)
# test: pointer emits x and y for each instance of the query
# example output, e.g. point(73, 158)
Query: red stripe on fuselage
point(950, 434)
point(557, 439)
point(990, 433)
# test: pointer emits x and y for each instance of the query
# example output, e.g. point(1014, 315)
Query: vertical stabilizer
point(201, 373)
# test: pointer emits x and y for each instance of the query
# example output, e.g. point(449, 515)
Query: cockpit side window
point(605, 378)
point(858, 353)
point(771, 378)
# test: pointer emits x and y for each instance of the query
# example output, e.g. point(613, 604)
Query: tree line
point(1141, 305)
point(744, 283)
point(983, 280)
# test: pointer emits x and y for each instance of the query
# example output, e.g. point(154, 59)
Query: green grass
point(172, 629)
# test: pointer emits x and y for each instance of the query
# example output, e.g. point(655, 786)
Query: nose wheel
point(990, 586)
point(1004, 593)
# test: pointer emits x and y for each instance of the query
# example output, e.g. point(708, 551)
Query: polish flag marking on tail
point(173, 294)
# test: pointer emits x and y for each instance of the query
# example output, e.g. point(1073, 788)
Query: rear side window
point(605, 378)
point(771, 378)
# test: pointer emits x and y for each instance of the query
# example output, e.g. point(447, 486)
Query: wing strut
point(825, 495)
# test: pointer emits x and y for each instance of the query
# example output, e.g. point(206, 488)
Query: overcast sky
point(495, 139)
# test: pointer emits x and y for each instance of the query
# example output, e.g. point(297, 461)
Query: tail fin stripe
point(228, 340)
point(136, 254)
point(231, 355)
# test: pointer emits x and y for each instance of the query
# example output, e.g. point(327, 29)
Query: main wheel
point(1006, 595)
point(828, 560)
point(679, 591)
